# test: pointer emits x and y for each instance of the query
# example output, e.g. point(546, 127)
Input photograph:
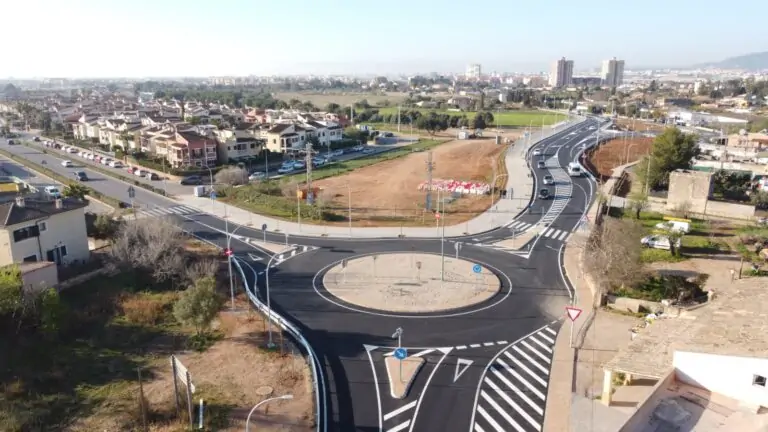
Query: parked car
point(368, 150)
point(67, 164)
point(106, 161)
point(537, 152)
point(285, 169)
point(72, 150)
point(11, 142)
point(549, 180)
point(544, 194)
point(139, 172)
point(116, 164)
point(192, 180)
point(80, 176)
point(151, 176)
point(299, 165)
point(338, 152)
point(357, 148)
point(255, 176)
point(657, 242)
point(129, 169)
point(52, 191)
point(541, 164)
point(36, 139)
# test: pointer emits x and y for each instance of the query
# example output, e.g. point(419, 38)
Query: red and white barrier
point(457, 186)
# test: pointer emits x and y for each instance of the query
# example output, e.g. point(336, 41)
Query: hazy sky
point(134, 38)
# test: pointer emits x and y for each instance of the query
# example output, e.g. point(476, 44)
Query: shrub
point(144, 309)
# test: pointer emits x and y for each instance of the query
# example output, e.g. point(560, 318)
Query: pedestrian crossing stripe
point(554, 233)
point(518, 226)
point(180, 210)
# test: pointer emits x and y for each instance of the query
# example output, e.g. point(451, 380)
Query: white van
point(574, 169)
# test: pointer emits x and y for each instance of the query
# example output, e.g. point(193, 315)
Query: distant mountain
point(752, 62)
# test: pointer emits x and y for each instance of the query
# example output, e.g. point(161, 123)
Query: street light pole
point(349, 208)
point(255, 407)
point(298, 205)
point(270, 344)
point(231, 279)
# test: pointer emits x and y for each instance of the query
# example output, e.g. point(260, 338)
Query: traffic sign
point(477, 268)
point(401, 353)
point(228, 252)
point(213, 194)
point(131, 192)
point(437, 215)
point(572, 313)
point(264, 227)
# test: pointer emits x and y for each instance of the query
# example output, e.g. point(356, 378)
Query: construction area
point(393, 193)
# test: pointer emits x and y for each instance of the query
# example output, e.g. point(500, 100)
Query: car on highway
point(52, 191)
point(541, 164)
point(192, 180)
point(285, 169)
point(80, 176)
point(36, 139)
point(106, 161)
point(130, 169)
point(299, 165)
point(255, 176)
point(368, 150)
point(116, 164)
point(11, 142)
point(549, 180)
point(318, 161)
point(138, 172)
point(149, 175)
point(67, 164)
point(337, 153)
point(544, 194)
point(72, 150)
point(537, 152)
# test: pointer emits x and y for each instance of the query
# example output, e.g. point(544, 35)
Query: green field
point(508, 118)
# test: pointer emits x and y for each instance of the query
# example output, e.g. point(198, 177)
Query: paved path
point(502, 213)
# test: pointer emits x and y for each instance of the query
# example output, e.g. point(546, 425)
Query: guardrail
point(318, 382)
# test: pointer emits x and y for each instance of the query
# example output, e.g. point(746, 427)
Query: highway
point(502, 347)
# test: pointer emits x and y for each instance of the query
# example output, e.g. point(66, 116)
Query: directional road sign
point(264, 227)
point(213, 194)
point(401, 353)
point(572, 313)
point(131, 192)
point(477, 268)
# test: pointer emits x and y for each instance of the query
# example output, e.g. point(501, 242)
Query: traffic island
point(522, 240)
point(401, 374)
point(411, 282)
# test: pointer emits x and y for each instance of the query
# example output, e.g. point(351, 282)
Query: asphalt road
point(487, 366)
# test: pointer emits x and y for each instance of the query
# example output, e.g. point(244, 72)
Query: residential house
point(191, 149)
point(237, 145)
point(285, 138)
point(33, 230)
point(116, 132)
point(755, 142)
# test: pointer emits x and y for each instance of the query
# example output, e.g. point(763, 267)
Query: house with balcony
point(116, 132)
point(86, 127)
point(236, 145)
point(191, 149)
point(285, 138)
point(32, 231)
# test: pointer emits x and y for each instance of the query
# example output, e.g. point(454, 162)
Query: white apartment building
point(562, 73)
point(612, 73)
point(474, 71)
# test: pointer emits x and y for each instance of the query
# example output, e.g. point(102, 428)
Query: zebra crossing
point(563, 190)
point(180, 210)
point(556, 234)
point(519, 227)
point(512, 393)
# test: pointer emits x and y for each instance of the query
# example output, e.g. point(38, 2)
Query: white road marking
point(519, 393)
point(547, 338)
point(400, 427)
point(506, 416)
point(478, 428)
point(461, 347)
point(399, 411)
point(530, 373)
point(474, 346)
point(514, 405)
point(533, 362)
point(422, 353)
point(541, 344)
point(501, 342)
point(554, 333)
point(488, 344)
point(538, 354)
point(490, 419)
point(563, 235)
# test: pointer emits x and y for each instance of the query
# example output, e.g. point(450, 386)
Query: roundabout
point(411, 283)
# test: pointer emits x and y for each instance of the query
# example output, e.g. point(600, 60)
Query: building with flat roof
point(612, 73)
point(562, 73)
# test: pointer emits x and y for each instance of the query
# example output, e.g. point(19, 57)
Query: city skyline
point(325, 41)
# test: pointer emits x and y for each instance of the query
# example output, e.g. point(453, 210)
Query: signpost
point(344, 271)
point(286, 239)
point(264, 232)
point(573, 313)
point(477, 269)
point(400, 352)
point(418, 271)
point(457, 246)
point(131, 196)
point(374, 257)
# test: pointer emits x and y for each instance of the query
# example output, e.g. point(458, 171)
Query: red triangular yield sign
point(572, 312)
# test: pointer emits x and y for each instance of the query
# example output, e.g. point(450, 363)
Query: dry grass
point(320, 100)
point(146, 308)
point(617, 152)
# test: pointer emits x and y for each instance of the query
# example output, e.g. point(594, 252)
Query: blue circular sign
point(401, 353)
point(264, 227)
point(477, 268)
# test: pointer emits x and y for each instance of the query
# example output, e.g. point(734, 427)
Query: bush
point(144, 309)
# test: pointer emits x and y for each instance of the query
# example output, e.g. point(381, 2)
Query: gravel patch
point(394, 283)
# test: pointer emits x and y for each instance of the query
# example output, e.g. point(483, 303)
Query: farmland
point(320, 100)
point(508, 118)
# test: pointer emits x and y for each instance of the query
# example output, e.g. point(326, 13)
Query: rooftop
point(733, 323)
point(20, 211)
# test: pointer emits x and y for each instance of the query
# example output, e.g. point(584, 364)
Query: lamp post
point(229, 260)
point(255, 407)
point(298, 205)
point(270, 344)
point(212, 194)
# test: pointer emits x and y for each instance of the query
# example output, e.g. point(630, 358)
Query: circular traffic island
point(410, 282)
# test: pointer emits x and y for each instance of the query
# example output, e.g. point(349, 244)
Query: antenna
point(430, 167)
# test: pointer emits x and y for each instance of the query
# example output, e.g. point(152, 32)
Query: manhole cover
point(264, 391)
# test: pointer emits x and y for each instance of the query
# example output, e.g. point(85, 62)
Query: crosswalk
point(563, 190)
point(556, 234)
point(180, 210)
point(518, 226)
point(513, 392)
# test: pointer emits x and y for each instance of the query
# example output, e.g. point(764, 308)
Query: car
point(116, 164)
point(537, 152)
point(549, 180)
point(52, 191)
point(106, 161)
point(357, 148)
point(67, 164)
point(192, 180)
point(299, 165)
point(318, 162)
point(82, 153)
point(544, 194)
point(72, 150)
point(151, 176)
point(80, 176)
point(36, 139)
point(258, 175)
point(339, 152)
point(91, 156)
point(140, 172)
point(130, 169)
point(368, 150)
point(285, 169)
point(657, 242)
point(10, 142)
point(541, 164)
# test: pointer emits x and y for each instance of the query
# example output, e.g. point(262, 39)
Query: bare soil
point(387, 193)
point(615, 153)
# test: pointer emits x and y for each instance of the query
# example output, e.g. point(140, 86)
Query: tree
point(612, 254)
point(332, 107)
point(156, 249)
point(193, 120)
point(638, 202)
point(104, 226)
point(76, 191)
point(10, 290)
point(198, 305)
point(672, 150)
point(478, 122)
point(432, 124)
point(488, 117)
point(674, 235)
point(51, 312)
point(232, 176)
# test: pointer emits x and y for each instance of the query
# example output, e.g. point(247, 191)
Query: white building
point(613, 72)
point(562, 73)
point(474, 71)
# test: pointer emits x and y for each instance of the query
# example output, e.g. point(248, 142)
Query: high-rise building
point(474, 71)
point(562, 73)
point(613, 72)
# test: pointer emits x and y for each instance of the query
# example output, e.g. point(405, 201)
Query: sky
point(142, 38)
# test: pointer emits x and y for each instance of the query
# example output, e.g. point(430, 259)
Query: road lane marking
point(514, 405)
point(525, 382)
point(519, 393)
point(488, 344)
point(490, 419)
point(399, 411)
point(541, 344)
point(503, 413)
point(501, 342)
point(461, 347)
point(532, 361)
point(422, 353)
point(547, 338)
point(400, 427)
point(538, 354)
point(474, 346)
point(530, 373)
point(551, 331)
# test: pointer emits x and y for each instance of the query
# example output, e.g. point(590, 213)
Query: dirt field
point(320, 100)
point(387, 193)
point(617, 152)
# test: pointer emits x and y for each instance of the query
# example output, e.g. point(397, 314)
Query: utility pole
point(430, 168)
point(398, 119)
point(308, 162)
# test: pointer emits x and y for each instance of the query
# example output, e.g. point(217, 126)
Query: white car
point(52, 191)
point(285, 169)
point(657, 242)
point(537, 152)
point(72, 150)
point(338, 153)
point(67, 164)
point(299, 165)
point(549, 180)
point(116, 164)
point(106, 161)
point(91, 156)
point(139, 173)
point(256, 176)
point(82, 153)
point(683, 227)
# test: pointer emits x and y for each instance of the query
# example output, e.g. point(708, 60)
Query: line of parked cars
point(104, 160)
